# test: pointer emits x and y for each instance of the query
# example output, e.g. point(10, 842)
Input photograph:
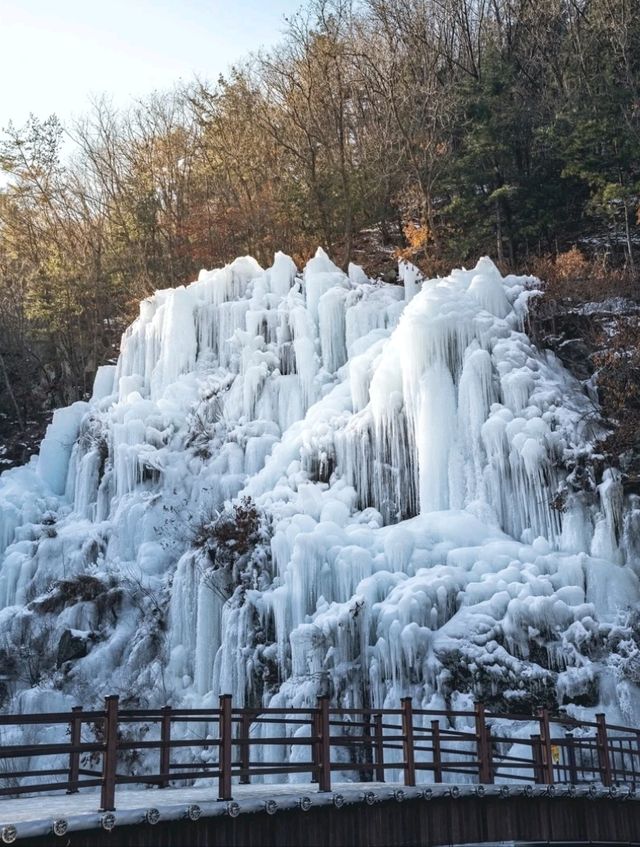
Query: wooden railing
point(102, 748)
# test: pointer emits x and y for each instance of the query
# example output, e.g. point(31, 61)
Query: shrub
point(230, 534)
point(234, 543)
point(574, 276)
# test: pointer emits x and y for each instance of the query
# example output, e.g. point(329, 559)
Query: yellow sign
point(555, 754)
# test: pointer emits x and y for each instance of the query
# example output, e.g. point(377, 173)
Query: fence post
point(324, 745)
point(165, 749)
point(603, 750)
point(315, 746)
point(408, 744)
point(483, 740)
point(110, 755)
point(366, 772)
point(245, 757)
point(546, 756)
point(437, 753)
point(379, 747)
point(571, 758)
point(75, 725)
point(536, 755)
point(226, 740)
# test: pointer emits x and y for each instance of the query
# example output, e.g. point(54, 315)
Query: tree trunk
point(627, 231)
point(7, 382)
point(499, 232)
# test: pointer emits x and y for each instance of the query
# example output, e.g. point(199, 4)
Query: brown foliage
point(572, 275)
point(229, 535)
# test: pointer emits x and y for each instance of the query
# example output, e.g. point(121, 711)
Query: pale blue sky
point(55, 54)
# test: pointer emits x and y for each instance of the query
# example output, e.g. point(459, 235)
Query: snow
point(409, 454)
point(80, 811)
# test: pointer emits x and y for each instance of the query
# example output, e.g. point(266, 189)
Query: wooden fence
point(229, 744)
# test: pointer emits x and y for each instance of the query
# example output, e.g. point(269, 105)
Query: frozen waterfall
point(293, 483)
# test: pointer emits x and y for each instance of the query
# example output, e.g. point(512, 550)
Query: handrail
point(411, 741)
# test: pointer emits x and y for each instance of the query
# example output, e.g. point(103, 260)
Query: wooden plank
point(225, 745)
point(245, 748)
point(483, 742)
point(165, 747)
point(110, 755)
point(408, 745)
point(378, 747)
point(603, 750)
point(75, 733)
point(324, 745)
point(546, 756)
point(437, 754)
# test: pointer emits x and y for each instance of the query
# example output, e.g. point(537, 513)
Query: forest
point(431, 130)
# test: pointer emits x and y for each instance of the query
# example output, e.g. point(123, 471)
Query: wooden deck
point(353, 814)
point(321, 774)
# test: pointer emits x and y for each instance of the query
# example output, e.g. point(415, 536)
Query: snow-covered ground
point(79, 811)
point(295, 484)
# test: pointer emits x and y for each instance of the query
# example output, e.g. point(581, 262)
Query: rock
point(575, 356)
point(73, 645)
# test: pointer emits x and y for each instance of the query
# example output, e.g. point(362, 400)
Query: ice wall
point(420, 512)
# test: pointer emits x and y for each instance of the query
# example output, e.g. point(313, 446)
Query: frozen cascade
point(303, 483)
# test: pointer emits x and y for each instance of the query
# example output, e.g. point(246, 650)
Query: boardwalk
point(231, 772)
point(352, 814)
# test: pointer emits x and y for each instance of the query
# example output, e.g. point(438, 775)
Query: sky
point(56, 54)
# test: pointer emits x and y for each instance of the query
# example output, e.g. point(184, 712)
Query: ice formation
point(302, 483)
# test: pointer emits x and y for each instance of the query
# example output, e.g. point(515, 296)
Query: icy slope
point(300, 484)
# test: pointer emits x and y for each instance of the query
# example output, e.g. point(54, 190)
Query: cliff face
point(599, 343)
point(302, 483)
